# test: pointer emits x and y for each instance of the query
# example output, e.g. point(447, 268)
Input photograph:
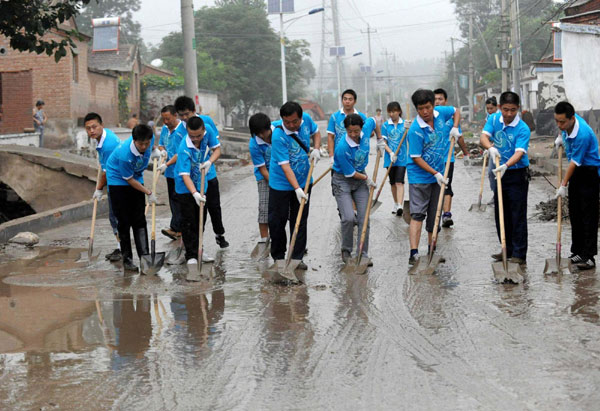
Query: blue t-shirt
point(430, 144)
point(260, 153)
point(285, 150)
point(508, 138)
point(336, 124)
point(393, 134)
point(209, 121)
point(127, 162)
point(171, 140)
point(350, 157)
point(108, 142)
point(189, 159)
point(581, 146)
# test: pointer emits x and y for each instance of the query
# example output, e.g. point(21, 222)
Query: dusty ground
point(75, 335)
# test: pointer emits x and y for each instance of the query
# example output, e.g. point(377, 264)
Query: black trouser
point(213, 206)
point(583, 211)
point(174, 205)
point(190, 220)
point(284, 204)
point(515, 186)
point(128, 205)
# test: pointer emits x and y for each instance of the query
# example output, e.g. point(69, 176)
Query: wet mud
point(76, 334)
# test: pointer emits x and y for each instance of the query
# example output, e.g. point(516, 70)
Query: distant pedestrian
point(392, 131)
point(133, 121)
point(39, 120)
point(378, 118)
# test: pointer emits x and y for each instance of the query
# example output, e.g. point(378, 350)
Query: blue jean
point(515, 187)
point(346, 190)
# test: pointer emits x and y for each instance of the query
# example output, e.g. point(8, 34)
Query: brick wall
point(16, 101)
point(593, 5)
point(104, 98)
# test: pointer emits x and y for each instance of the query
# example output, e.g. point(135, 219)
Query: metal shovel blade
point(429, 268)
point(261, 250)
point(375, 206)
point(557, 267)
point(91, 256)
point(282, 273)
point(478, 207)
point(205, 272)
point(406, 213)
point(511, 274)
point(150, 265)
point(353, 266)
point(175, 256)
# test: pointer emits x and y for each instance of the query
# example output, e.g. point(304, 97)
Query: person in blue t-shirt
point(350, 181)
point(261, 130)
point(288, 171)
point(107, 141)
point(335, 127)
point(428, 144)
point(580, 182)
point(171, 135)
point(186, 109)
point(197, 151)
point(125, 176)
point(392, 131)
point(506, 137)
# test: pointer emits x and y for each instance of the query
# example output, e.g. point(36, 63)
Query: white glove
point(558, 142)
point(161, 168)
point(331, 160)
point(315, 155)
point(493, 153)
point(407, 123)
point(206, 165)
point(98, 195)
point(152, 198)
point(440, 179)
point(163, 153)
point(370, 182)
point(393, 158)
point(300, 194)
point(561, 192)
point(501, 169)
point(381, 145)
point(199, 198)
point(454, 133)
point(155, 154)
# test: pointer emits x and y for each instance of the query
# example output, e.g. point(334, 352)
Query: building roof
point(116, 60)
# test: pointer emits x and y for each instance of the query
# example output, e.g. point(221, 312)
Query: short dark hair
point(195, 123)
point(184, 103)
point(566, 108)
point(169, 108)
point(441, 91)
point(290, 108)
point(142, 132)
point(353, 120)
point(92, 116)
point(351, 92)
point(377, 110)
point(492, 101)
point(40, 103)
point(422, 96)
point(394, 105)
point(259, 122)
point(510, 97)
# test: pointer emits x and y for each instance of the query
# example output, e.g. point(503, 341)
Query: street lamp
point(282, 41)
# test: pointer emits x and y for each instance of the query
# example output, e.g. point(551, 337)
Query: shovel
point(203, 269)
point(432, 259)
point(478, 206)
point(261, 250)
point(92, 257)
point(359, 264)
point(558, 265)
point(376, 202)
point(286, 269)
point(322, 175)
point(504, 272)
point(176, 256)
point(150, 264)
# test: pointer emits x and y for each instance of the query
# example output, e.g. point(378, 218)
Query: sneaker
point(587, 264)
point(447, 220)
point(192, 261)
point(576, 259)
point(114, 256)
point(207, 259)
point(302, 266)
point(517, 260)
point(413, 259)
point(221, 241)
point(399, 212)
point(497, 257)
point(442, 259)
point(169, 233)
point(128, 265)
point(346, 256)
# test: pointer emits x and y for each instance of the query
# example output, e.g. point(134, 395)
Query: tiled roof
point(121, 60)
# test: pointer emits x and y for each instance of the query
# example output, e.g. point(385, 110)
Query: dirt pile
point(548, 210)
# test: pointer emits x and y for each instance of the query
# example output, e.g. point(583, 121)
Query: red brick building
point(69, 88)
point(583, 12)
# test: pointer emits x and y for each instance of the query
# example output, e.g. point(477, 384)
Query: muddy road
point(80, 336)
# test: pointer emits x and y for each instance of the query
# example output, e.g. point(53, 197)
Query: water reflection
point(586, 296)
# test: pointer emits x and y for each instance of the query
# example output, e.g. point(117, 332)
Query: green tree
point(25, 23)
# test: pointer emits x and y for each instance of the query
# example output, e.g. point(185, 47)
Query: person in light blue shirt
point(288, 172)
point(350, 181)
point(506, 137)
point(580, 182)
point(171, 135)
point(107, 141)
point(261, 130)
point(393, 131)
point(428, 145)
point(335, 127)
point(125, 175)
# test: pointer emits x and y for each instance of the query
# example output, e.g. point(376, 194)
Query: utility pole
point(190, 69)
point(504, 46)
point(471, 69)
point(336, 38)
point(322, 60)
point(387, 70)
point(455, 75)
point(367, 81)
point(515, 40)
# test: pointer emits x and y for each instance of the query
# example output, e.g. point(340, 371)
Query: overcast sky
point(413, 29)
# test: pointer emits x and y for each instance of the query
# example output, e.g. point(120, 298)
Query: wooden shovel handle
point(95, 205)
point(559, 199)
point(154, 173)
point(500, 205)
point(438, 213)
point(483, 167)
point(322, 175)
point(363, 233)
point(387, 173)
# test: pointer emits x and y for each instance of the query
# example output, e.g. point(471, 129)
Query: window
point(557, 35)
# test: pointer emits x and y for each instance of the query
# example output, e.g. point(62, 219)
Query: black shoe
point(576, 259)
point(442, 259)
point(399, 212)
point(221, 241)
point(413, 259)
point(587, 264)
point(345, 256)
point(168, 232)
point(497, 257)
point(302, 266)
point(447, 221)
point(114, 256)
point(128, 265)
